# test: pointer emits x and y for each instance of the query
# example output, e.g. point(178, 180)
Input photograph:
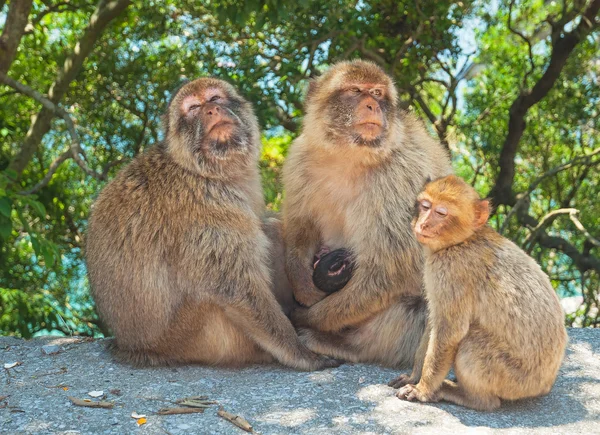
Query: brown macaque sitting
point(183, 264)
point(493, 313)
point(332, 269)
point(351, 178)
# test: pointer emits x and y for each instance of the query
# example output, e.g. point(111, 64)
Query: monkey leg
point(456, 393)
point(282, 288)
point(203, 333)
point(391, 337)
point(259, 315)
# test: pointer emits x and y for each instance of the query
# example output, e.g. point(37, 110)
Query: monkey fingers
point(401, 381)
point(413, 392)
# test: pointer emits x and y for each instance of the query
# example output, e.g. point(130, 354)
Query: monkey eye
point(441, 211)
point(425, 205)
point(215, 98)
point(355, 90)
point(377, 92)
point(193, 107)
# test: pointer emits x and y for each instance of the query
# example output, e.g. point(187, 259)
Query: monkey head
point(357, 102)
point(209, 125)
point(448, 212)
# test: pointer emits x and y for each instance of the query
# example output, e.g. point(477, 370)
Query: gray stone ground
point(275, 400)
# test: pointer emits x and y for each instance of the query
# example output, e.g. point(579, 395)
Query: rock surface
point(275, 400)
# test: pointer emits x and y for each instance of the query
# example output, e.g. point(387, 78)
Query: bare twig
point(173, 411)
point(524, 38)
point(581, 228)
point(81, 402)
point(521, 198)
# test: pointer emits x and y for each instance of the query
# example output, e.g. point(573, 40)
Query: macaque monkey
point(179, 255)
point(494, 315)
point(351, 179)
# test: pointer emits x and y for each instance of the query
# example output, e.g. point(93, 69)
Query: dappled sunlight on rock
point(292, 418)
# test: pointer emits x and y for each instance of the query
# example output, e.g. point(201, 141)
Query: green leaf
point(5, 229)
point(5, 206)
point(38, 207)
point(4, 132)
point(48, 255)
point(36, 245)
point(11, 173)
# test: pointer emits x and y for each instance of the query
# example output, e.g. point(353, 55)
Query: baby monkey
point(493, 313)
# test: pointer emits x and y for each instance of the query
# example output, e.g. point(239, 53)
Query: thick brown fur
point(179, 253)
point(354, 188)
point(494, 315)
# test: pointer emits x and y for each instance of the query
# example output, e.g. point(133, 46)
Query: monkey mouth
point(223, 123)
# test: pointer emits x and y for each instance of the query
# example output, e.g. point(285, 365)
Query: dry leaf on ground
point(11, 365)
point(239, 421)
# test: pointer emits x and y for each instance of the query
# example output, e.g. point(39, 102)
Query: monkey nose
point(214, 110)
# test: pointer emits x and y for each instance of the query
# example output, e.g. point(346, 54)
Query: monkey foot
point(412, 392)
point(401, 381)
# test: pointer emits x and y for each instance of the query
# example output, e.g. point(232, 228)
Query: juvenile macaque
point(179, 253)
point(494, 315)
point(351, 179)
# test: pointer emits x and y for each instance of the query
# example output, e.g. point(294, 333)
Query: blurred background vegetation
point(511, 87)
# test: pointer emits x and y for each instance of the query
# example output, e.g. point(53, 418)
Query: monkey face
point(211, 121)
point(448, 212)
point(358, 103)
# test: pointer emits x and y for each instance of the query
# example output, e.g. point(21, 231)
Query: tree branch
point(586, 159)
point(105, 12)
point(75, 149)
point(562, 47)
point(14, 28)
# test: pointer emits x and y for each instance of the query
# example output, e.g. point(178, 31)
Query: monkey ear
point(482, 212)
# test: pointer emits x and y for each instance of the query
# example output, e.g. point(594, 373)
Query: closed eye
point(441, 211)
point(194, 107)
point(215, 98)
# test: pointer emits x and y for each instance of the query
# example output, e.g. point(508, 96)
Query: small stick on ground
point(173, 411)
point(235, 419)
point(80, 402)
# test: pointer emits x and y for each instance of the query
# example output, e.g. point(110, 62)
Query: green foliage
point(270, 50)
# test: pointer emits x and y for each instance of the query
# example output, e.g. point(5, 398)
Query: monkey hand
point(299, 317)
point(414, 392)
point(402, 380)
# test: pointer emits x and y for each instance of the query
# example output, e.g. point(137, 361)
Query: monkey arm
point(364, 296)
point(441, 351)
point(302, 240)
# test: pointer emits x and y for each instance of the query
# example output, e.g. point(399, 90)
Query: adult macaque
point(178, 252)
point(351, 179)
point(494, 315)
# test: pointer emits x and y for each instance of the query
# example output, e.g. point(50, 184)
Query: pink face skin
point(209, 106)
point(431, 218)
point(370, 118)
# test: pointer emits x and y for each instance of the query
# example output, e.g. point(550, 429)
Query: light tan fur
point(493, 312)
point(179, 254)
point(342, 194)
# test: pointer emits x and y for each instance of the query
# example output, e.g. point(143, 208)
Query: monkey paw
point(401, 381)
point(412, 392)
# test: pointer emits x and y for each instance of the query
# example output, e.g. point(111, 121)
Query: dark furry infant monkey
point(493, 313)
